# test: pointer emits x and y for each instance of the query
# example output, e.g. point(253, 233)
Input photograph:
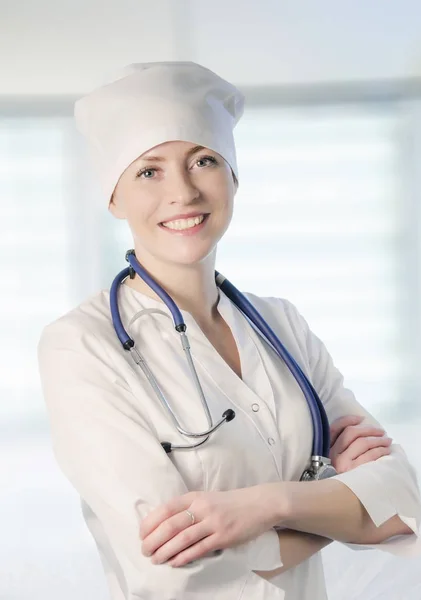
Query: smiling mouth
point(183, 224)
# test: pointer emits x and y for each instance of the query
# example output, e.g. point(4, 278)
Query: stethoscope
point(320, 467)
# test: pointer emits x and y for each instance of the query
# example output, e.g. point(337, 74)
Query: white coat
point(107, 424)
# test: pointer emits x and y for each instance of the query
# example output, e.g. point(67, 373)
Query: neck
point(192, 287)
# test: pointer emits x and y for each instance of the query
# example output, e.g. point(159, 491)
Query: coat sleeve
point(106, 449)
point(387, 486)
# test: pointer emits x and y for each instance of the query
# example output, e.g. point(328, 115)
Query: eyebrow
point(162, 159)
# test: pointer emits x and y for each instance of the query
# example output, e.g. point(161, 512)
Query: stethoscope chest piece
point(320, 468)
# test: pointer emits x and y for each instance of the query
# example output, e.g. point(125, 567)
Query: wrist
point(288, 501)
point(285, 502)
point(277, 503)
point(305, 500)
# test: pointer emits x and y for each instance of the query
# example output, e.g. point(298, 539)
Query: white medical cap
point(152, 103)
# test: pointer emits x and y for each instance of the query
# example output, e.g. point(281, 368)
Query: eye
point(146, 173)
point(204, 161)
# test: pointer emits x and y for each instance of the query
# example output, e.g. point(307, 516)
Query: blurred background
point(327, 215)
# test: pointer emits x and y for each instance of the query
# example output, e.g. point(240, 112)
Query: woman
point(229, 519)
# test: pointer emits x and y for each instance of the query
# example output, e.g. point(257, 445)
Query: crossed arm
point(361, 505)
point(312, 513)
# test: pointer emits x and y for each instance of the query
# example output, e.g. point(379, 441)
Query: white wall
point(68, 47)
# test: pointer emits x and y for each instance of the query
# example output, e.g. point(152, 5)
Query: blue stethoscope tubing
point(321, 429)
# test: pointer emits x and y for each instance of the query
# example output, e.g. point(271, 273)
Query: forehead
point(166, 150)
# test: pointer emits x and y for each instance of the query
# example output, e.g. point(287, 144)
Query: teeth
point(184, 223)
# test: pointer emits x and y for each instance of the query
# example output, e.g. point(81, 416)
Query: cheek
point(222, 191)
point(140, 212)
point(223, 216)
point(228, 206)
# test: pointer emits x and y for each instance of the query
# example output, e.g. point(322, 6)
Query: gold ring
point(192, 517)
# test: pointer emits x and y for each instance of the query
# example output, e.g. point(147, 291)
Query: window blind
point(317, 220)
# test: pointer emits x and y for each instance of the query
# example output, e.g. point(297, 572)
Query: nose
point(182, 189)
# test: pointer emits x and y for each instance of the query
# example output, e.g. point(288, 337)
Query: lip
point(185, 216)
point(186, 232)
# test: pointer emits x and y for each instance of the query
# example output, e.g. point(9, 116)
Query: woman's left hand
point(222, 520)
point(354, 444)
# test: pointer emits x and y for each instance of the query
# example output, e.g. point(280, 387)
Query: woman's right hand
point(353, 444)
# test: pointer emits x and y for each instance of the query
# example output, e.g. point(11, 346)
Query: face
point(178, 200)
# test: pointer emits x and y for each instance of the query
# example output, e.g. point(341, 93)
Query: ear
point(235, 180)
point(116, 207)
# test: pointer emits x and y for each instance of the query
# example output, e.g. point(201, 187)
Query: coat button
point(271, 441)
point(255, 407)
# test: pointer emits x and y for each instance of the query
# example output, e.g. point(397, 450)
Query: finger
point(363, 445)
point(206, 545)
point(165, 531)
point(339, 425)
point(372, 455)
point(162, 513)
point(353, 432)
point(180, 543)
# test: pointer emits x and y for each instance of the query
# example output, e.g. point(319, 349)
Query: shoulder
point(295, 333)
point(91, 319)
point(279, 312)
point(288, 324)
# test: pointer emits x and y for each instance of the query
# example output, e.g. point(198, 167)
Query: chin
point(189, 257)
point(186, 261)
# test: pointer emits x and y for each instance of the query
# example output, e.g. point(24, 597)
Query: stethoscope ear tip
point(167, 446)
point(228, 415)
